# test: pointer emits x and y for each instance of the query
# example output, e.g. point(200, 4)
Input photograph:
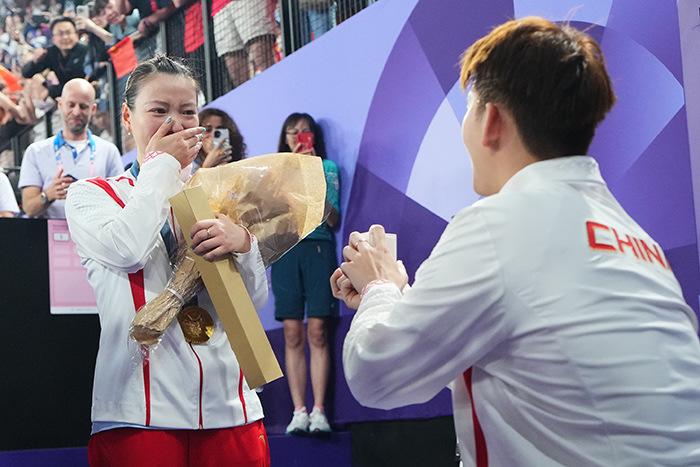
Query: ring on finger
point(208, 233)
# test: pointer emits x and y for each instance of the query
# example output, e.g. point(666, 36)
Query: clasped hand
point(215, 239)
point(363, 264)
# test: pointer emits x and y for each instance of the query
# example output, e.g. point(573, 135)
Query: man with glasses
point(66, 57)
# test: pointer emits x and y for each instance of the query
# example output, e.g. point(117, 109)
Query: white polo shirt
point(41, 163)
point(559, 323)
point(8, 202)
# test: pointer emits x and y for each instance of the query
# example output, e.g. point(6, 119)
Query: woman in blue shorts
point(300, 285)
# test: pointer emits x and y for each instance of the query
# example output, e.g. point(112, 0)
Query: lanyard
point(165, 232)
point(135, 169)
point(59, 142)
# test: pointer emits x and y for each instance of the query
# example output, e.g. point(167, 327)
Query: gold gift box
point(291, 180)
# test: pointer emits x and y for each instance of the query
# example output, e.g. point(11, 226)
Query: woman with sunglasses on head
point(184, 402)
point(299, 282)
point(222, 143)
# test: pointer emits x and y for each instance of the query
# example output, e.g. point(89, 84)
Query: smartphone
point(39, 18)
point(306, 139)
point(70, 176)
point(83, 11)
point(220, 137)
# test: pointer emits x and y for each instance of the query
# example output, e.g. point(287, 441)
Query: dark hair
point(62, 19)
point(319, 142)
point(551, 78)
point(238, 147)
point(158, 64)
point(98, 7)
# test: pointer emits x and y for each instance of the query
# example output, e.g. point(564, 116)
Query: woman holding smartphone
point(183, 403)
point(299, 282)
point(222, 143)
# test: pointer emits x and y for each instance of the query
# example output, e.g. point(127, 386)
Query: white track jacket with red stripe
point(178, 385)
point(558, 321)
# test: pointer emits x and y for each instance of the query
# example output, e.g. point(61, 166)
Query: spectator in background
point(14, 50)
point(316, 18)
point(151, 12)
point(120, 25)
point(347, 8)
point(36, 26)
point(66, 57)
point(108, 24)
point(244, 34)
point(19, 106)
point(215, 150)
point(96, 66)
point(8, 202)
point(16, 114)
point(298, 284)
point(51, 165)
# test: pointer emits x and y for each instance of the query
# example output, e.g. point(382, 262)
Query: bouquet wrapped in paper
point(279, 198)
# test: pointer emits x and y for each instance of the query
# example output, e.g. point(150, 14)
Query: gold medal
point(196, 324)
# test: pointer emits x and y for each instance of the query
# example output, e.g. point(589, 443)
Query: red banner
point(194, 31)
point(11, 80)
point(123, 57)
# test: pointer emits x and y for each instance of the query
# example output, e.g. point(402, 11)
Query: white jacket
point(178, 385)
point(578, 349)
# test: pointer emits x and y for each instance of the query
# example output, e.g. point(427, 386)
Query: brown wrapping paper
point(280, 198)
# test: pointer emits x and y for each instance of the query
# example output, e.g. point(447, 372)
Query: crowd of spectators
point(46, 43)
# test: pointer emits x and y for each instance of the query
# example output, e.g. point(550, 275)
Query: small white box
point(390, 242)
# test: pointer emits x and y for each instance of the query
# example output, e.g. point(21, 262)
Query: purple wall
point(384, 87)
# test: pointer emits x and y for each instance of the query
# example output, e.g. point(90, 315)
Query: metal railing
point(225, 48)
point(19, 142)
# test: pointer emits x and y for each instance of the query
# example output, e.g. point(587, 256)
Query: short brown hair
point(551, 78)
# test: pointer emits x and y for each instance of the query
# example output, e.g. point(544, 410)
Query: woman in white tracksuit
point(180, 404)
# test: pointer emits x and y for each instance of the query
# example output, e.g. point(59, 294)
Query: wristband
point(151, 155)
point(372, 284)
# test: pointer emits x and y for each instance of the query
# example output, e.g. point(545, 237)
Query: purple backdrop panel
point(377, 82)
point(409, 88)
point(466, 21)
point(685, 264)
point(689, 20)
point(648, 96)
point(67, 457)
point(565, 10)
point(654, 25)
point(348, 410)
point(295, 451)
point(417, 229)
point(656, 189)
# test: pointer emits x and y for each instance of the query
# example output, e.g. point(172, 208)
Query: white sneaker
point(319, 422)
point(299, 424)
